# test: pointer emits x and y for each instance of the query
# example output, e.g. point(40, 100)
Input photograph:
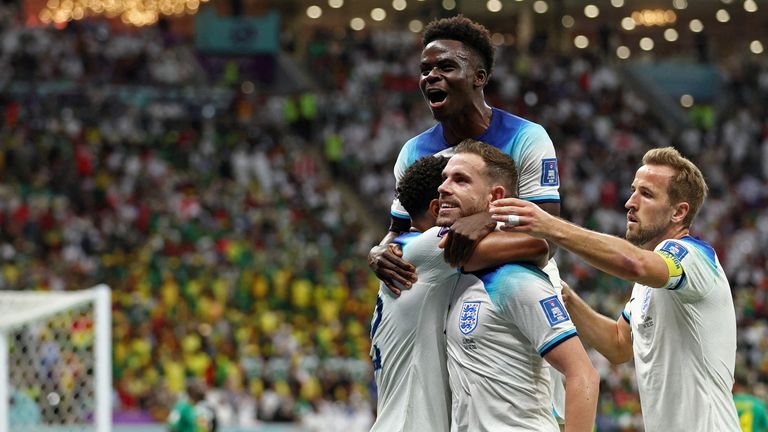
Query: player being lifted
point(456, 64)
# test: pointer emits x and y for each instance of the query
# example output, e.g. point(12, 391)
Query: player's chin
point(445, 220)
point(439, 112)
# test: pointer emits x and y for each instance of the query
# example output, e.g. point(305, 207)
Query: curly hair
point(419, 184)
point(466, 31)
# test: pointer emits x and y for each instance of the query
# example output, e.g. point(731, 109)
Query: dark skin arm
point(498, 248)
point(385, 259)
point(465, 234)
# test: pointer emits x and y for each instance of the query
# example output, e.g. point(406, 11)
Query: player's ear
point(498, 192)
point(434, 208)
point(481, 77)
point(681, 211)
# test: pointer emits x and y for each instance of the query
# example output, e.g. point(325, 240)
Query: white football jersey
point(684, 342)
point(408, 342)
point(501, 323)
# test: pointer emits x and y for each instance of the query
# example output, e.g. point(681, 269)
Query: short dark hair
point(466, 31)
point(500, 168)
point(418, 186)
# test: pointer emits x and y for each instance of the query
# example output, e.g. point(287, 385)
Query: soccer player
point(407, 333)
point(679, 323)
point(503, 325)
point(752, 411)
point(456, 64)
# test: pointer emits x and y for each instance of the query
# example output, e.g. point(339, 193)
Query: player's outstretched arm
point(582, 384)
point(385, 259)
point(610, 338)
point(605, 252)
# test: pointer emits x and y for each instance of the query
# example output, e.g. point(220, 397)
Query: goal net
point(55, 361)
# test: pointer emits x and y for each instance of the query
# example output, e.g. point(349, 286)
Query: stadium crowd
point(232, 255)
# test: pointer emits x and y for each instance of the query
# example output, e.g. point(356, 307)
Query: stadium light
point(722, 16)
point(135, 13)
point(623, 52)
point(646, 44)
point(415, 26)
point(680, 4)
point(449, 4)
point(540, 6)
point(335, 3)
point(378, 14)
point(357, 23)
point(627, 23)
point(750, 6)
point(493, 5)
point(696, 25)
point(314, 12)
point(568, 21)
point(399, 5)
point(617, 3)
point(655, 17)
point(581, 41)
point(670, 35)
point(591, 11)
point(756, 47)
point(686, 101)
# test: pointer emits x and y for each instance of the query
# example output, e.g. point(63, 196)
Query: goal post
point(56, 360)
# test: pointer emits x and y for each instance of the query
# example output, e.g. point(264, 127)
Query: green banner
point(237, 35)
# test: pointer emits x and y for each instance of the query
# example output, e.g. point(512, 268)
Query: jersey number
point(376, 358)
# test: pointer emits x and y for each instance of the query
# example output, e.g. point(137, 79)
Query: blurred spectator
point(753, 413)
point(192, 413)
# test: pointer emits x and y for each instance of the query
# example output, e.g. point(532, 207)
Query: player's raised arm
point(608, 253)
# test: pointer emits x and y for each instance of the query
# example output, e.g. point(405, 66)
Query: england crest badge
point(470, 310)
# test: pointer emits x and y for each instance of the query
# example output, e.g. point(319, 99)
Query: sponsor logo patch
point(676, 249)
point(470, 311)
point(549, 175)
point(554, 310)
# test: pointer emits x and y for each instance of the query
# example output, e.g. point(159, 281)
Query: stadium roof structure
point(657, 28)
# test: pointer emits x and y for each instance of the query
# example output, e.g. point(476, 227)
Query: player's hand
point(567, 293)
point(520, 216)
point(386, 261)
point(463, 236)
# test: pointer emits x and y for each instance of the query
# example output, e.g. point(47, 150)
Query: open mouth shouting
point(437, 97)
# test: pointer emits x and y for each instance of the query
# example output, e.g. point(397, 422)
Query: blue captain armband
point(676, 273)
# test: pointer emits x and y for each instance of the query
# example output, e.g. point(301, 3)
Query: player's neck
point(470, 123)
point(422, 224)
point(674, 232)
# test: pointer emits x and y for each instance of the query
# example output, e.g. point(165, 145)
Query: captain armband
point(676, 272)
